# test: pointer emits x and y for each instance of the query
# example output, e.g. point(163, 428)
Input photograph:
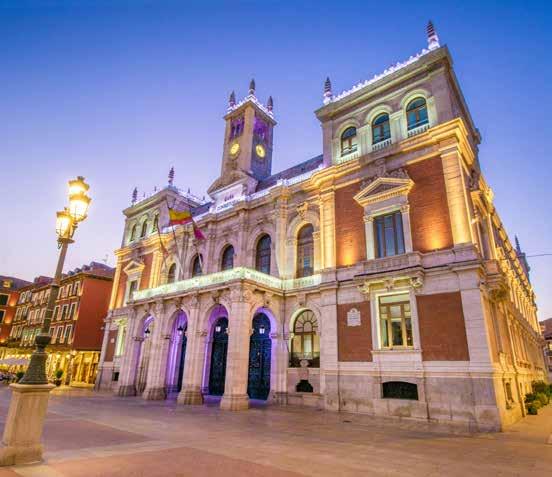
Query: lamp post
point(23, 428)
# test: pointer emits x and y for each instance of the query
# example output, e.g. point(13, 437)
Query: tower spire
point(270, 104)
point(135, 195)
point(328, 95)
point(432, 37)
point(252, 87)
point(171, 176)
point(232, 99)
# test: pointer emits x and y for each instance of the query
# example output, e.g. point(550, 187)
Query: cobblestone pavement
point(88, 434)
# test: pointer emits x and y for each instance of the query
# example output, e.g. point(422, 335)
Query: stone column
point(23, 429)
point(158, 354)
point(327, 229)
point(456, 194)
point(235, 396)
point(370, 241)
point(129, 362)
point(105, 342)
point(328, 350)
point(407, 233)
point(195, 357)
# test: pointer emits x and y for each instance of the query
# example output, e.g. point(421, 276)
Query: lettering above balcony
point(218, 278)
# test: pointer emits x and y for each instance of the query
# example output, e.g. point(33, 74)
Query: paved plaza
point(89, 434)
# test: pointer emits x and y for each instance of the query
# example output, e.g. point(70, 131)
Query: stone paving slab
point(106, 435)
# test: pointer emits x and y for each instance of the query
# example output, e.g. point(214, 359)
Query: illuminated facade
point(76, 327)
point(374, 278)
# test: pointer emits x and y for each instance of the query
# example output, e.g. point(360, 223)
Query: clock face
point(260, 150)
point(234, 149)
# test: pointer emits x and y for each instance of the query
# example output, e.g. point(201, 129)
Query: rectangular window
point(2, 313)
point(63, 312)
point(395, 321)
point(388, 230)
point(72, 309)
point(55, 315)
point(68, 330)
point(76, 288)
point(133, 286)
point(120, 346)
point(4, 299)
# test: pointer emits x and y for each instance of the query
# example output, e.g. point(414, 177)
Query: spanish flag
point(179, 217)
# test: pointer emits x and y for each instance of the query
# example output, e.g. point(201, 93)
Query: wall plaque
point(353, 317)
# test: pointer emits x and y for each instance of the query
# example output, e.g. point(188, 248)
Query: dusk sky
point(120, 91)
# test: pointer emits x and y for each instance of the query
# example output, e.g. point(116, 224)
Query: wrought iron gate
point(219, 349)
point(181, 364)
point(260, 347)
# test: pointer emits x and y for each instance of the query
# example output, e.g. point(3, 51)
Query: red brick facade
point(354, 342)
point(349, 223)
point(429, 211)
point(442, 328)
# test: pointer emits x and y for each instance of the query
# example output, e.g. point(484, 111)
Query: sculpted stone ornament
point(302, 210)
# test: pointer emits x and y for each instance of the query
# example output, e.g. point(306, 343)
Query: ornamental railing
point(217, 278)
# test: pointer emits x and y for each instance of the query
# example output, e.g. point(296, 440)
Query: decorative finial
point(518, 248)
point(171, 176)
point(232, 99)
point(328, 95)
point(252, 87)
point(189, 191)
point(270, 104)
point(135, 195)
point(432, 38)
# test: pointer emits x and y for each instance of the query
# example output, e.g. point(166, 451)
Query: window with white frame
point(72, 310)
point(64, 309)
point(68, 330)
point(55, 315)
point(76, 288)
point(395, 321)
point(389, 234)
point(69, 289)
point(120, 344)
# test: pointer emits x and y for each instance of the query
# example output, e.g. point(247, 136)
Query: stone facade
point(392, 288)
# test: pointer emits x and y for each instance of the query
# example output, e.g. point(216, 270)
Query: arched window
point(155, 227)
point(416, 113)
point(349, 141)
point(171, 275)
point(133, 232)
point(306, 341)
point(262, 255)
point(380, 128)
point(305, 251)
point(197, 266)
point(144, 229)
point(227, 261)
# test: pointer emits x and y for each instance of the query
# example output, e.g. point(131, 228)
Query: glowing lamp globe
point(78, 186)
point(78, 206)
point(63, 223)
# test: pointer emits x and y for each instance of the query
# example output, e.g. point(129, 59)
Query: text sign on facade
point(353, 317)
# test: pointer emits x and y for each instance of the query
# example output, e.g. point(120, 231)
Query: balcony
point(218, 278)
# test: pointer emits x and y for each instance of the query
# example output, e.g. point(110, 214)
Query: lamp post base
point(24, 424)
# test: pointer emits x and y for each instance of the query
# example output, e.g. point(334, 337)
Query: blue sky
point(119, 91)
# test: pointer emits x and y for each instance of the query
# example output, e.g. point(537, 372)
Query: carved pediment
point(134, 266)
point(384, 187)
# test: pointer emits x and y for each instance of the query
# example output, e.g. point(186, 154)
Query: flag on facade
point(179, 217)
point(198, 234)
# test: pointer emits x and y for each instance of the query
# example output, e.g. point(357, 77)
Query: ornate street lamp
point(28, 405)
point(67, 222)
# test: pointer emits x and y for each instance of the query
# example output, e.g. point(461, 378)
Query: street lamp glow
point(78, 206)
point(63, 224)
point(78, 186)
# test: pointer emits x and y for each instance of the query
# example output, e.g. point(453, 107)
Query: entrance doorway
point(217, 374)
point(260, 348)
point(181, 359)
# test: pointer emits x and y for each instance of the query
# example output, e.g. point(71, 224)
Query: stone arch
point(346, 124)
point(176, 326)
point(309, 217)
point(375, 112)
point(210, 317)
point(251, 247)
point(430, 104)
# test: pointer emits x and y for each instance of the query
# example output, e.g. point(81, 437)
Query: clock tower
point(247, 150)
